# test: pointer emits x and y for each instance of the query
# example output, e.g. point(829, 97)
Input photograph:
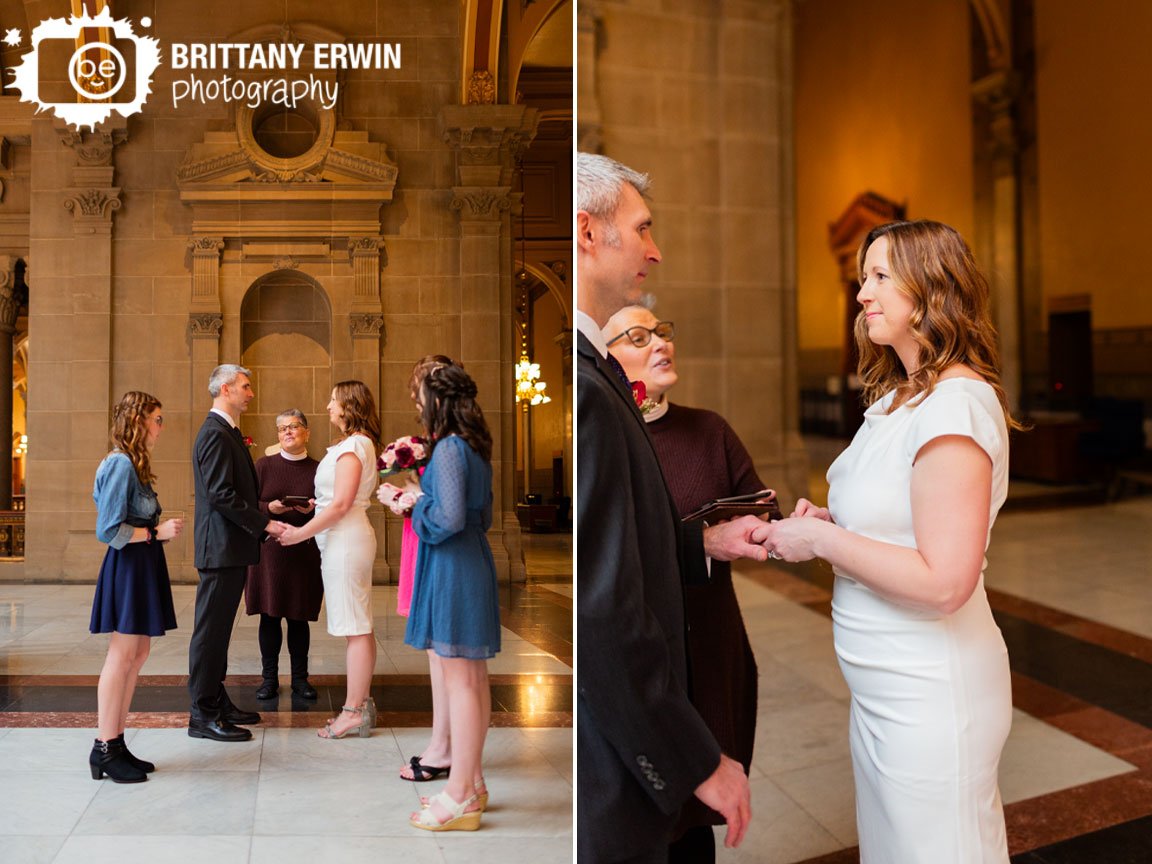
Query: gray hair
point(295, 413)
point(225, 374)
point(599, 181)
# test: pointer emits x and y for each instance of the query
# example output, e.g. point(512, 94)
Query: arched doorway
point(286, 340)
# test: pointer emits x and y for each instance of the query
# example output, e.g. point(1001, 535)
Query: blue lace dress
point(455, 605)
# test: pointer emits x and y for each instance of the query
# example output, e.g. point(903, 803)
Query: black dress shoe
point(236, 717)
point(305, 690)
point(217, 730)
point(268, 690)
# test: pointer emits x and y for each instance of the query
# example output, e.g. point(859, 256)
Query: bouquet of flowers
point(408, 453)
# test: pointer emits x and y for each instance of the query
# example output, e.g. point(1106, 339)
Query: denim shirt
point(123, 503)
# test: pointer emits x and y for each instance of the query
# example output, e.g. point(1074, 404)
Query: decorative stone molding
point(285, 262)
point(481, 203)
point(206, 268)
point(205, 325)
point(488, 139)
point(998, 93)
point(9, 311)
point(481, 88)
point(560, 268)
point(365, 325)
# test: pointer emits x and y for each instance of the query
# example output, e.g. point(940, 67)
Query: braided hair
point(450, 409)
point(129, 435)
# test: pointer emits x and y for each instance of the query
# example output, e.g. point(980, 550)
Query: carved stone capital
point(205, 325)
point(359, 247)
point(93, 148)
point(206, 247)
point(488, 139)
point(483, 203)
point(92, 209)
point(365, 325)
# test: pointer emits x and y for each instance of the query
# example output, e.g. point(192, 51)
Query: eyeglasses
point(291, 427)
point(641, 336)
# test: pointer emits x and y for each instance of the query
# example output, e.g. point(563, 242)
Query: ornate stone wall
point(153, 234)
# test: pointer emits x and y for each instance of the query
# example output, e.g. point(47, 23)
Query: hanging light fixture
point(529, 388)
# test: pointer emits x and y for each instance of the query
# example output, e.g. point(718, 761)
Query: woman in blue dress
point(455, 608)
point(133, 598)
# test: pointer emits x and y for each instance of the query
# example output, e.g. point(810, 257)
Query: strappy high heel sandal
point(459, 820)
point(481, 796)
point(364, 727)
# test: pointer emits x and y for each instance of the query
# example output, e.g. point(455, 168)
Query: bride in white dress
point(911, 504)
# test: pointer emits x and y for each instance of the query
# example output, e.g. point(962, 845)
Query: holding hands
point(795, 538)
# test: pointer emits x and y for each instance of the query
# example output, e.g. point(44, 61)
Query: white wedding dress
point(931, 695)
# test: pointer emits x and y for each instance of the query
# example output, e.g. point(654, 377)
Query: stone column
point(366, 319)
point(487, 139)
point(564, 340)
point(998, 203)
point(70, 370)
point(9, 312)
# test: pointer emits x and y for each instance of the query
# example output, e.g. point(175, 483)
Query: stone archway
point(286, 340)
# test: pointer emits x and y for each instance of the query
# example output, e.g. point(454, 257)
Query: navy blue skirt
point(133, 594)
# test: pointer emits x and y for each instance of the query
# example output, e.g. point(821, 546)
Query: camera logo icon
point(84, 80)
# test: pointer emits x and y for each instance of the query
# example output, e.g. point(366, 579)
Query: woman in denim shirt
point(133, 596)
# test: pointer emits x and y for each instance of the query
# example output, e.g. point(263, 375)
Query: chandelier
point(529, 388)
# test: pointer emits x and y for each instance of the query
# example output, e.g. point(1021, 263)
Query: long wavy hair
point(129, 433)
point(449, 397)
point(360, 414)
point(950, 322)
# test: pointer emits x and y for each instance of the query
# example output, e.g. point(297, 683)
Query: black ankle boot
point(270, 687)
point(300, 685)
point(110, 757)
point(144, 765)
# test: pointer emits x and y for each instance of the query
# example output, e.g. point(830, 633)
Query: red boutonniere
point(640, 394)
point(248, 442)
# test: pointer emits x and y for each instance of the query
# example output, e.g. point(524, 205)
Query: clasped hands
point(400, 499)
point(792, 539)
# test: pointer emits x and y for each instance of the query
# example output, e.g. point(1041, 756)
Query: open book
point(738, 505)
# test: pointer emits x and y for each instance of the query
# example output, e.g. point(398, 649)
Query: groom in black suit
point(229, 530)
point(643, 750)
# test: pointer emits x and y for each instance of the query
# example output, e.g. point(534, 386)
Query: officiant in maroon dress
point(702, 459)
point(286, 585)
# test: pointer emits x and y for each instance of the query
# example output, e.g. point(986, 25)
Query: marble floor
point(287, 795)
point(1071, 589)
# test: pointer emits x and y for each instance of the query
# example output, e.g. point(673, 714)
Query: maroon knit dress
point(286, 583)
point(703, 459)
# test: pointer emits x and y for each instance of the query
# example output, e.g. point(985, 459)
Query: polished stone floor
point(287, 795)
point(1071, 589)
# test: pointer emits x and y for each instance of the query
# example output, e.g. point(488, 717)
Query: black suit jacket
point(229, 524)
point(641, 746)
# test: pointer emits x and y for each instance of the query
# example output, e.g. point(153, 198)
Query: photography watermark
point(81, 80)
point(84, 79)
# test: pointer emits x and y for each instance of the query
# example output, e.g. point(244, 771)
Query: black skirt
point(133, 594)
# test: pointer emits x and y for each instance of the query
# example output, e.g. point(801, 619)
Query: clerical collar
point(292, 458)
point(656, 413)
